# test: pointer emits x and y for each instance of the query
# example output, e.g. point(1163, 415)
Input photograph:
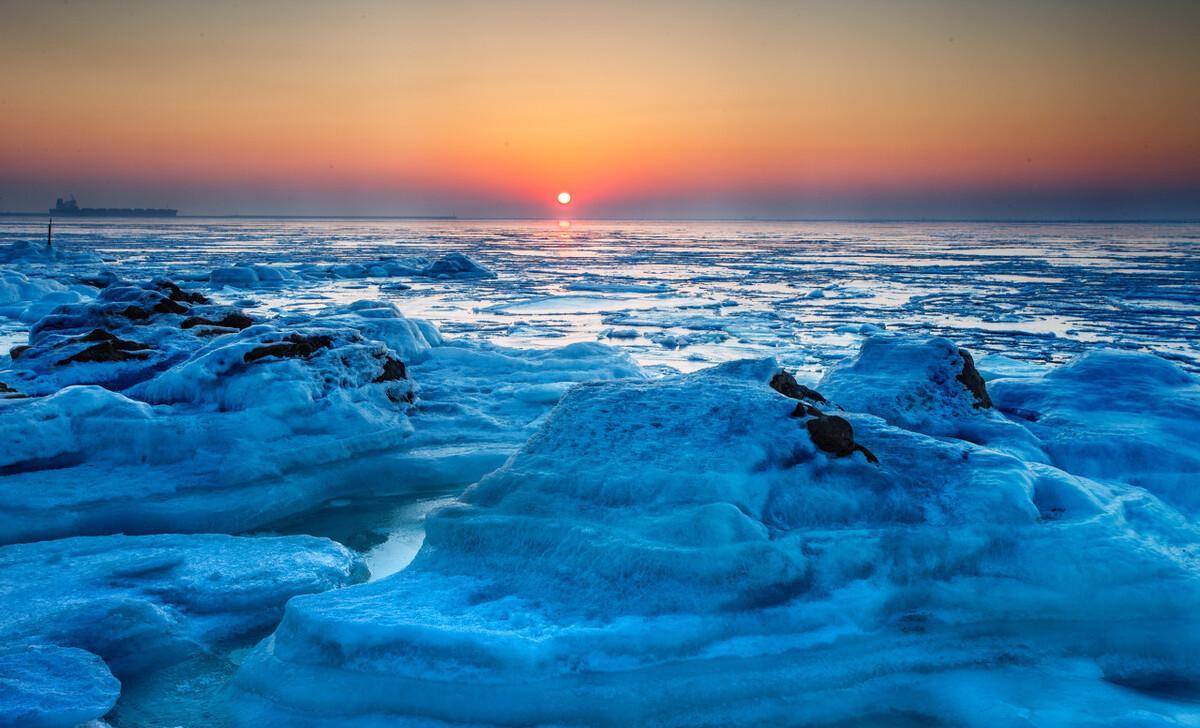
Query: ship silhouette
point(70, 208)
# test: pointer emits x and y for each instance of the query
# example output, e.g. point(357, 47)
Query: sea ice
point(44, 686)
point(139, 603)
point(1116, 416)
point(205, 420)
point(692, 550)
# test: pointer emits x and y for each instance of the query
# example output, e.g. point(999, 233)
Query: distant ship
point(70, 208)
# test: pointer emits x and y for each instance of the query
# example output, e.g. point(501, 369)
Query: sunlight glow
point(564, 198)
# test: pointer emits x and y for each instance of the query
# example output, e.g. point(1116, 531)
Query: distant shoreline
point(455, 218)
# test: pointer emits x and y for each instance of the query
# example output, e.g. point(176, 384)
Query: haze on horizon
point(712, 108)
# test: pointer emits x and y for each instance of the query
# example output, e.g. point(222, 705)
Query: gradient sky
point(924, 108)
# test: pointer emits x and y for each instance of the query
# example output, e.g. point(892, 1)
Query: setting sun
point(564, 198)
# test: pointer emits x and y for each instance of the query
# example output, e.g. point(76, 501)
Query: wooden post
point(49, 231)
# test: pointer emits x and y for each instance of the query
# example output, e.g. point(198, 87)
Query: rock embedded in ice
point(785, 383)
point(924, 385)
point(232, 320)
point(231, 432)
point(101, 346)
point(45, 686)
point(970, 378)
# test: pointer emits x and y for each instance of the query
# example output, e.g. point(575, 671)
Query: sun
point(564, 198)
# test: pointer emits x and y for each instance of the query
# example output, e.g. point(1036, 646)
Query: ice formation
point(43, 686)
point(884, 540)
point(79, 610)
point(193, 417)
point(682, 551)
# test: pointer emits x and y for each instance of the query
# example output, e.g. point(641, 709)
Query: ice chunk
point(233, 431)
point(26, 252)
point(681, 552)
point(144, 601)
point(455, 265)
point(248, 275)
point(925, 385)
point(1119, 416)
point(28, 298)
point(45, 686)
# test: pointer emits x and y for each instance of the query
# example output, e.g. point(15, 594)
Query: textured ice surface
point(1116, 416)
point(76, 611)
point(688, 550)
point(143, 601)
point(1037, 292)
point(681, 552)
point(44, 686)
point(211, 428)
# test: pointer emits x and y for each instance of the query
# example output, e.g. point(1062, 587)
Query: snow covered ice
point(683, 551)
point(675, 474)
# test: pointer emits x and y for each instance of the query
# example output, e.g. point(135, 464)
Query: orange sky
point(490, 108)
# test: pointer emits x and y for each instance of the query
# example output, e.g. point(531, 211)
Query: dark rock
point(164, 305)
point(405, 397)
point(786, 384)
point(175, 293)
point(804, 409)
point(135, 313)
point(213, 331)
point(108, 350)
point(973, 381)
point(16, 352)
point(103, 280)
point(235, 320)
point(168, 305)
point(296, 346)
point(832, 434)
point(106, 347)
point(7, 392)
point(870, 456)
point(393, 371)
point(102, 335)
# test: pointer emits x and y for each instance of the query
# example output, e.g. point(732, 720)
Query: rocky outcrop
point(295, 346)
point(233, 320)
point(786, 384)
point(973, 381)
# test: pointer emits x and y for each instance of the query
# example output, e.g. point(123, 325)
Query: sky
point(905, 109)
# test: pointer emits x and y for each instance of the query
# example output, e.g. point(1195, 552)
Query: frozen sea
point(401, 472)
point(697, 293)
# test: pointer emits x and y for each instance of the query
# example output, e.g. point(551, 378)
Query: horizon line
point(456, 218)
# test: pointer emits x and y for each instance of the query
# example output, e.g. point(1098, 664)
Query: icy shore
point(912, 534)
point(689, 551)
